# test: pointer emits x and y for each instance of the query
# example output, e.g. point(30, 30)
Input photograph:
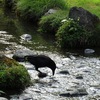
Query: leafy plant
point(70, 34)
point(51, 23)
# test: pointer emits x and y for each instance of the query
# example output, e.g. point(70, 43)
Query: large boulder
point(86, 19)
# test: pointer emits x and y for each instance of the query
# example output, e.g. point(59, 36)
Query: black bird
point(41, 61)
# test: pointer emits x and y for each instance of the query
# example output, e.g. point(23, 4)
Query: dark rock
point(64, 72)
point(20, 54)
point(79, 76)
point(42, 75)
point(86, 19)
point(75, 93)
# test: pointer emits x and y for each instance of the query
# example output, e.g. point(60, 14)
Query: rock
point(75, 93)
point(19, 54)
point(51, 11)
point(72, 57)
point(42, 75)
point(86, 19)
point(89, 51)
point(2, 98)
point(64, 72)
point(26, 37)
point(79, 76)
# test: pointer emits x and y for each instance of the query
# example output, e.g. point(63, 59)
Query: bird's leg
point(38, 70)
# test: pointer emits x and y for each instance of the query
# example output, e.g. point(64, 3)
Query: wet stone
point(42, 75)
point(64, 72)
point(79, 76)
point(20, 54)
point(75, 93)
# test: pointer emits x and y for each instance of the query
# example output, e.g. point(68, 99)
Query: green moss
point(13, 75)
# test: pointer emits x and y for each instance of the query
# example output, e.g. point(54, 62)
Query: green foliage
point(34, 9)
point(50, 23)
point(70, 34)
point(13, 75)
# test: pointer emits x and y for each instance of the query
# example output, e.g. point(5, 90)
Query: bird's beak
point(53, 72)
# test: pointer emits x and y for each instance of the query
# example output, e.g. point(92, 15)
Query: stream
point(77, 76)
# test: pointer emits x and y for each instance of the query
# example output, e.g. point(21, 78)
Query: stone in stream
point(79, 76)
point(42, 75)
point(75, 93)
point(20, 54)
point(64, 72)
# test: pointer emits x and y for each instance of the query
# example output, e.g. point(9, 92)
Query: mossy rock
point(12, 74)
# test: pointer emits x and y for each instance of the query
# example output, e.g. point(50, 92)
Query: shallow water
point(76, 77)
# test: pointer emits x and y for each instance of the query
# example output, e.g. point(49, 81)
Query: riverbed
point(77, 77)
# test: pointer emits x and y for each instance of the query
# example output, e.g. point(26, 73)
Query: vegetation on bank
point(70, 34)
point(67, 34)
point(12, 75)
point(34, 9)
point(49, 24)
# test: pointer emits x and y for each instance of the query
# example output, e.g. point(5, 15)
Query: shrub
point(51, 23)
point(9, 4)
point(13, 75)
point(70, 34)
point(34, 9)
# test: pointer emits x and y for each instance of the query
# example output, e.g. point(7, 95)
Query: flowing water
point(77, 77)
